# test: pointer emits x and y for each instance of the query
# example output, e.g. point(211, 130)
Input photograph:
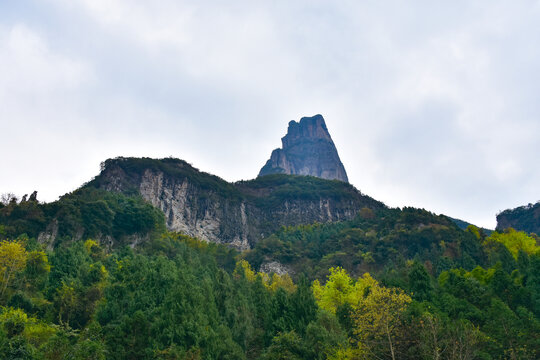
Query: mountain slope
point(371, 242)
point(523, 218)
point(239, 214)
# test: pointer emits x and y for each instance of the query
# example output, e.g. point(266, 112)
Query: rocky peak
point(307, 149)
point(308, 128)
point(238, 214)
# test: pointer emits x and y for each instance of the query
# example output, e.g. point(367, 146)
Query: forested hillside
point(389, 284)
point(133, 198)
point(524, 218)
point(240, 214)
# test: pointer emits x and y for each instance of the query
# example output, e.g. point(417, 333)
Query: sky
point(431, 104)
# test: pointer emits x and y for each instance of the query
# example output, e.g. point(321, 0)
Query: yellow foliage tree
point(340, 289)
point(335, 292)
point(271, 283)
point(376, 310)
point(377, 318)
point(66, 298)
point(515, 241)
point(12, 259)
point(281, 281)
point(16, 322)
point(243, 268)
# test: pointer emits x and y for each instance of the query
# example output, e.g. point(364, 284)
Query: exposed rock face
point(240, 214)
point(524, 218)
point(307, 149)
point(188, 210)
point(276, 267)
point(48, 236)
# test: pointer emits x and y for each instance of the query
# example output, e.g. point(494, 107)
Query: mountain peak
point(307, 149)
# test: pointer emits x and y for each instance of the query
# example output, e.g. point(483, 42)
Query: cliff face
point(307, 149)
point(240, 214)
point(523, 218)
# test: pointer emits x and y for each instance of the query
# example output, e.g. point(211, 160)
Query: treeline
point(525, 218)
point(390, 284)
point(174, 298)
point(178, 298)
point(380, 241)
point(85, 213)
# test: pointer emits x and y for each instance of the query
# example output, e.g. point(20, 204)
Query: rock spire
point(307, 149)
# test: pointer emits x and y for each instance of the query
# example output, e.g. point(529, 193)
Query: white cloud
point(430, 104)
point(30, 70)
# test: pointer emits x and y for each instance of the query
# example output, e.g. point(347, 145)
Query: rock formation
point(307, 149)
point(524, 218)
point(239, 214)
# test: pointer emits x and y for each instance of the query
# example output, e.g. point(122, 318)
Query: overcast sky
point(432, 104)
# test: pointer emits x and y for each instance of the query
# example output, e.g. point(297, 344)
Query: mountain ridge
point(239, 214)
point(525, 218)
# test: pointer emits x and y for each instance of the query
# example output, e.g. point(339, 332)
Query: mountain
point(463, 225)
point(371, 242)
point(307, 149)
point(524, 218)
point(96, 275)
point(239, 214)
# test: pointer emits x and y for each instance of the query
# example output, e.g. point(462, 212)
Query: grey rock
point(237, 214)
point(523, 218)
point(307, 149)
point(275, 267)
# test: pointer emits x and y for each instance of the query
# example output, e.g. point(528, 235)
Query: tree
point(285, 346)
point(377, 319)
point(8, 198)
point(340, 290)
point(12, 260)
point(377, 310)
point(335, 292)
point(67, 300)
point(420, 282)
point(432, 343)
point(464, 340)
point(37, 269)
point(515, 241)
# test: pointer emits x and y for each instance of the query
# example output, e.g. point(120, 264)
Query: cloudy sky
point(431, 104)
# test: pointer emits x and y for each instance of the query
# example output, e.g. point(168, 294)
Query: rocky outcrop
point(192, 211)
point(239, 214)
point(524, 218)
point(48, 236)
point(307, 149)
point(275, 267)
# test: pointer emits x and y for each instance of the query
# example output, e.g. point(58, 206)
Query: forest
point(389, 284)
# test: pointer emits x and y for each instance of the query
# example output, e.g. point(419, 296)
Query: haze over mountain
point(307, 149)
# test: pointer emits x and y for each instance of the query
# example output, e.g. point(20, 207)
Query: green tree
point(37, 269)
point(420, 282)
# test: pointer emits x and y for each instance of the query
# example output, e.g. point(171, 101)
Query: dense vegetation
point(84, 213)
point(272, 190)
point(265, 191)
point(130, 170)
point(390, 284)
point(248, 210)
point(524, 218)
point(374, 241)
